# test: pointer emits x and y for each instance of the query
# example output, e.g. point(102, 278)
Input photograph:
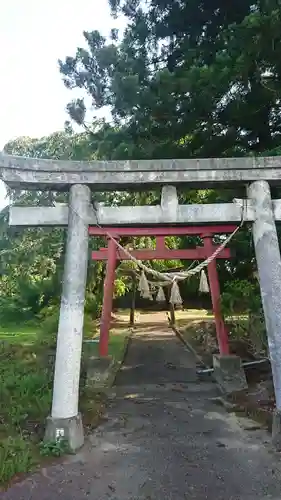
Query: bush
point(12, 311)
point(241, 303)
point(26, 394)
point(48, 326)
point(49, 319)
point(93, 305)
point(240, 296)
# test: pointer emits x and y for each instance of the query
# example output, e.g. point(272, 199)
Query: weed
point(54, 448)
point(24, 404)
point(26, 394)
point(15, 457)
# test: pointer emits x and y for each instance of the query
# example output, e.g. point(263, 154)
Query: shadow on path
point(164, 439)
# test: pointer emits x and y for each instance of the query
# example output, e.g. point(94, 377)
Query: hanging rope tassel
point(144, 287)
point(143, 284)
point(175, 297)
point(203, 285)
point(160, 297)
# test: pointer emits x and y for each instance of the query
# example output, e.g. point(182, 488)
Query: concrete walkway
point(164, 438)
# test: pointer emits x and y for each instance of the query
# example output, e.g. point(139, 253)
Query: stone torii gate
point(80, 178)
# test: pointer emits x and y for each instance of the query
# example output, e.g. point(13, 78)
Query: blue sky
point(34, 34)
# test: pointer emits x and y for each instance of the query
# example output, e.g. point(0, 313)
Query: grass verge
point(26, 376)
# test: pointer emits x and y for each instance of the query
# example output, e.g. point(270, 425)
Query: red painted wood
point(165, 254)
point(112, 254)
point(108, 289)
point(160, 242)
point(161, 231)
point(221, 330)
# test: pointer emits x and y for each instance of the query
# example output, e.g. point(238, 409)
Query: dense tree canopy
point(187, 79)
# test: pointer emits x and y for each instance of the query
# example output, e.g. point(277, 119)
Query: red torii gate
point(112, 254)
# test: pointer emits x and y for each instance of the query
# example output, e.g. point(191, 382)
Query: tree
point(187, 79)
point(31, 260)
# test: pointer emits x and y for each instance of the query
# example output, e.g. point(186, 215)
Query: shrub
point(93, 305)
point(13, 311)
point(49, 319)
point(241, 303)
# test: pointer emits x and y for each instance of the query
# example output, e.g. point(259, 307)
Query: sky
point(34, 34)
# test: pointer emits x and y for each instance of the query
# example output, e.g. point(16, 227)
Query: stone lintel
point(140, 215)
point(28, 173)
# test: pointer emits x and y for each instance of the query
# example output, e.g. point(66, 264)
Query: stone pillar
point(229, 373)
point(269, 268)
point(65, 421)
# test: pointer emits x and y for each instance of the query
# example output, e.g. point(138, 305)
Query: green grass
point(26, 387)
point(26, 393)
point(19, 335)
point(115, 346)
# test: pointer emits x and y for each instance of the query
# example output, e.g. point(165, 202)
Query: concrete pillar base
point(69, 429)
point(229, 373)
point(276, 430)
point(98, 369)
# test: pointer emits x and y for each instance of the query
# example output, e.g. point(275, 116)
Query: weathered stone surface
point(110, 175)
point(169, 203)
point(269, 267)
point(168, 213)
point(68, 429)
point(276, 430)
point(229, 373)
point(70, 329)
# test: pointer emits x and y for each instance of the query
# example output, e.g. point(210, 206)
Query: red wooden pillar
point(221, 330)
point(108, 289)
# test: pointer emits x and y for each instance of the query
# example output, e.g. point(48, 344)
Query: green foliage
point(48, 326)
point(31, 260)
point(49, 319)
point(187, 79)
point(24, 405)
point(15, 457)
point(240, 296)
point(26, 393)
point(25, 390)
point(59, 145)
point(241, 304)
point(121, 287)
point(93, 305)
point(54, 448)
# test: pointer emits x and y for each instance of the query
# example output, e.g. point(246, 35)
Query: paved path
point(164, 438)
